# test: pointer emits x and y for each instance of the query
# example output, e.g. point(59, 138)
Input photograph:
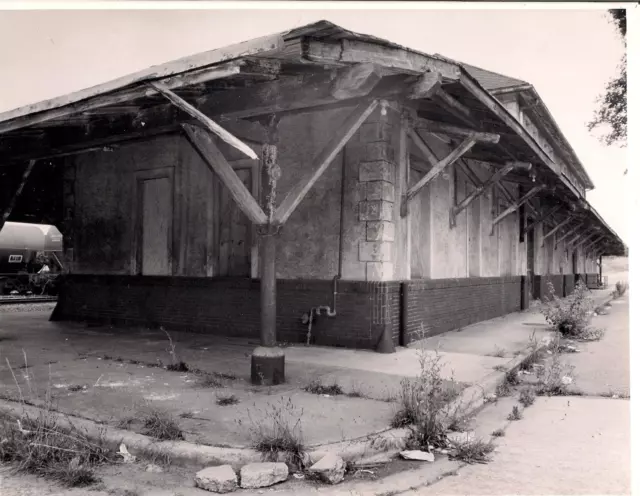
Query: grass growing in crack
point(515, 414)
point(498, 352)
point(160, 425)
point(498, 433)
point(425, 405)
point(503, 389)
point(555, 377)
point(500, 368)
point(277, 432)
point(474, 451)
point(226, 400)
point(316, 387)
point(527, 397)
point(205, 380)
point(43, 446)
point(178, 367)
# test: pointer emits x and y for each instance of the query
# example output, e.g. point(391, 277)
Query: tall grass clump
point(570, 316)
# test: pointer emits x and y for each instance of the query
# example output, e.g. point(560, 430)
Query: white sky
point(568, 55)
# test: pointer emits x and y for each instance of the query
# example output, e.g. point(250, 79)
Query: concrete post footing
point(267, 366)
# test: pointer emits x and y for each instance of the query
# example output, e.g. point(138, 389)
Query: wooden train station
point(317, 186)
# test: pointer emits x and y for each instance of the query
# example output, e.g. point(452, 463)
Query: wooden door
point(235, 231)
point(156, 212)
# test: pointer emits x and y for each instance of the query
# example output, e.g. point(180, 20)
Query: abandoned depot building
point(316, 186)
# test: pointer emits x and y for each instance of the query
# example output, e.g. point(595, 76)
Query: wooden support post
point(530, 194)
point(436, 169)
point(557, 228)
point(216, 129)
point(600, 283)
point(453, 213)
point(16, 195)
point(212, 156)
point(570, 232)
point(268, 361)
point(323, 160)
point(542, 218)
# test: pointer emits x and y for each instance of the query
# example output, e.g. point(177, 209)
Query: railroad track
point(27, 299)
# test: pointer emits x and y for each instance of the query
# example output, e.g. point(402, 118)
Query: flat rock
point(220, 479)
point(377, 459)
point(329, 469)
point(265, 474)
point(418, 455)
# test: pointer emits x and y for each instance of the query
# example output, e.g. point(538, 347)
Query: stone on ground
point(220, 479)
point(418, 455)
point(263, 474)
point(329, 469)
point(377, 459)
point(152, 467)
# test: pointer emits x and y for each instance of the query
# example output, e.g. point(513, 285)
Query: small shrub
point(555, 377)
point(621, 289)
point(512, 377)
point(498, 352)
point(498, 433)
point(316, 387)
point(160, 424)
point(527, 397)
point(278, 433)
point(42, 446)
point(425, 405)
point(503, 390)
point(475, 451)
point(570, 315)
point(515, 414)
point(205, 380)
point(500, 368)
point(178, 367)
point(226, 400)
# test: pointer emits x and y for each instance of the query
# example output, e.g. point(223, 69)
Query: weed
point(621, 289)
point(355, 394)
point(503, 389)
point(278, 433)
point(498, 352)
point(225, 400)
point(474, 451)
point(515, 414)
point(205, 380)
point(425, 405)
point(512, 378)
point(555, 377)
point(500, 368)
point(527, 397)
point(316, 387)
point(570, 315)
point(187, 415)
point(41, 445)
point(178, 367)
point(159, 424)
point(498, 433)
point(75, 387)
point(459, 424)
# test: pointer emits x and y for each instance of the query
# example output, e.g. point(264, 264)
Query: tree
point(612, 110)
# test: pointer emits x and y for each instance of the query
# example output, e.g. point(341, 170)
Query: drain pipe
point(331, 311)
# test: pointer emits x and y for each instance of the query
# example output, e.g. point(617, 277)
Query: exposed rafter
point(543, 217)
point(357, 80)
point(530, 194)
point(447, 129)
point(557, 228)
point(18, 192)
point(570, 232)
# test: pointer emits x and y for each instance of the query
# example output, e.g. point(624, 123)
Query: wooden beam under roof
point(447, 129)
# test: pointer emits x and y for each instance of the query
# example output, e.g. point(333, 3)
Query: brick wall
point(231, 307)
point(541, 286)
point(441, 305)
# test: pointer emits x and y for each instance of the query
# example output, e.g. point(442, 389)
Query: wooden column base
point(267, 366)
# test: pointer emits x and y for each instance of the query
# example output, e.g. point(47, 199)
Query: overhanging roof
point(286, 72)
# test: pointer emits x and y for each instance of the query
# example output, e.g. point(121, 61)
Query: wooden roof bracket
point(16, 195)
point(594, 242)
point(215, 128)
point(556, 229)
point(515, 206)
point(570, 232)
point(437, 168)
point(494, 179)
point(542, 218)
point(584, 240)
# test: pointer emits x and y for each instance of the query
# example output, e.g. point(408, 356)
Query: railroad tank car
point(20, 267)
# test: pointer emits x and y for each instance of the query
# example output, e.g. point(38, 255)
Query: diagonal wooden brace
point(594, 242)
point(16, 195)
point(530, 194)
point(499, 174)
point(585, 240)
point(204, 144)
point(570, 232)
point(322, 161)
point(542, 218)
point(216, 129)
point(436, 169)
point(557, 228)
